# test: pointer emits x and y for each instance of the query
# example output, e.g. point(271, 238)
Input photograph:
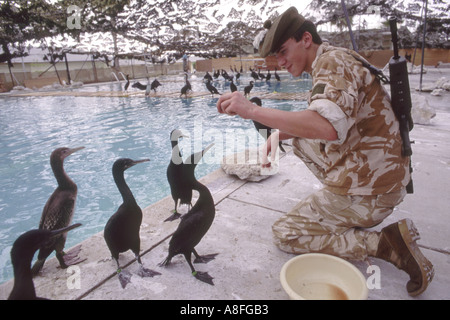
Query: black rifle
point(401, 96)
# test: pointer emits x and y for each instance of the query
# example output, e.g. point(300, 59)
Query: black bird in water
point(268, 76)
point(178, 188)
point(58, 213)
point(22, 253)
point(263, 130)
point(211, 88)
point(248, 88)
point(208, 76)
point(254, 74)
point(193, 226)
point(186, 88)
point(122, 229)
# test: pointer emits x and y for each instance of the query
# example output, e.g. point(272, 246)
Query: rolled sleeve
point(333, 113)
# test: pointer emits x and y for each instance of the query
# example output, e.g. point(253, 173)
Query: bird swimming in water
point(22, 253)
point(248, 88)
point(155, 84)
point(58, 213)
point(211, 88)
point(127, 84)
point(233, 87)
point(192, 228)
point(122, 229)
point(186, 88)
point(263, 130)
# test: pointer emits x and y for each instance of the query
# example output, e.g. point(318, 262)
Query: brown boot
point(398, 246)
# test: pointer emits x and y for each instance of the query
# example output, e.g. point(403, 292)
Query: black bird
point(155, 84)
point(186, 88)
point(208, 76)
point(263, 130)
point(268, 76)
point(216, 74)
point(122, 229)
point(139, 86)
point(178, 188)
point(127, 84)
point(58, 213)
point(248, 88)
point(211, 88)
point(22, 253)
point(276, 75)
point(233, 87)
point(261, 76)
point(193, 226)
point(254, 74)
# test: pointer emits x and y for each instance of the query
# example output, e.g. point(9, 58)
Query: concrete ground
point(248, 264)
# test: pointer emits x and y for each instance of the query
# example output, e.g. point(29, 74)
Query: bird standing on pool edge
point(58, 213)
point(122, 229)
point(193, 226)
point(22, 253)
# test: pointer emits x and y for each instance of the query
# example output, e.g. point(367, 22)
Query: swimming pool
point(109, 128)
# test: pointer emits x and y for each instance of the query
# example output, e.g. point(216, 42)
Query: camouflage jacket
point(366, 158)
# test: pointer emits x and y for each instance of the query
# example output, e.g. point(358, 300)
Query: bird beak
point(140, 161)
point(74, 150)
point(207, 148)
point(57, 232)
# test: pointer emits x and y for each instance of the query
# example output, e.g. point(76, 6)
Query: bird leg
point(124, 275)
point(144, 272)
point(69, 258)
point(203, 259)
point(173, 217)
point(202, 276)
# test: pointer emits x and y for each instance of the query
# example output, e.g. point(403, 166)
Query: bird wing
point(58, 210)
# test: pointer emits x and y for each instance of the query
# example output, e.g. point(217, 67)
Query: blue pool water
point(109, 128)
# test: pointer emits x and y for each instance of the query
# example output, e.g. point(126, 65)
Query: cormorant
point(268, 76)
point(58, 212)
point(122, 229)
point(254, 74)
point(233, 87)
point(260, 126)
point(211, 88)
point(187, 87)
point(276, 75)
point(127, 84)
point(155, 84)
point(179, 190)
point(248, 88)
point(261, 76)
point(139, 86)
point(207, 76)
point(193, 226)
point(22, 253)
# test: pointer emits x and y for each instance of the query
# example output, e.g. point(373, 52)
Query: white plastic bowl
point(317, 276)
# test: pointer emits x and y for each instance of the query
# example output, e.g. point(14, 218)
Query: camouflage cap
point(280, 30)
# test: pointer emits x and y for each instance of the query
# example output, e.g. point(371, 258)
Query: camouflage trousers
point(335, 224)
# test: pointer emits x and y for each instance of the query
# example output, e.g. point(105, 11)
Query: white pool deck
point(248, 264)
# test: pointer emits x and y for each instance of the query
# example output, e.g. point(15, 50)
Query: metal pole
point(423, 43)
point(344, 7)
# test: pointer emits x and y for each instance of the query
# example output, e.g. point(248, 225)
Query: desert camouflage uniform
point(363, 172)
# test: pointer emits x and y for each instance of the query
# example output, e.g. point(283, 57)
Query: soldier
point(349, 138)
